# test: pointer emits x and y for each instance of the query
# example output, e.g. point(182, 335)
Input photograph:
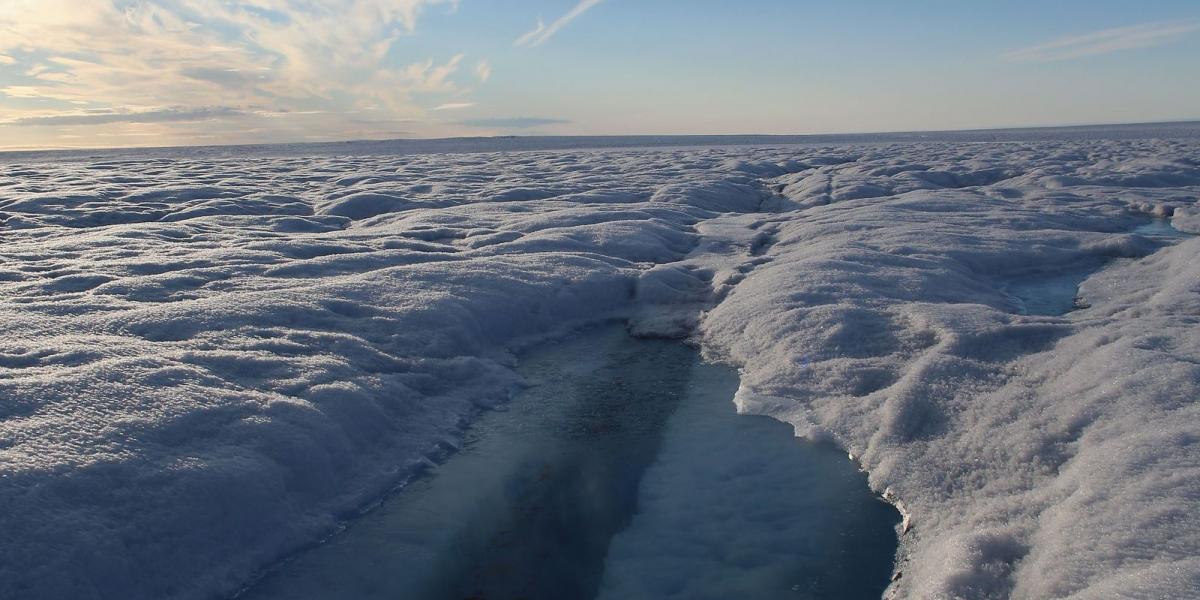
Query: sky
point(109, 73)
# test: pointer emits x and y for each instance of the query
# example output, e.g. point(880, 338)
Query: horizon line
point(896, 132)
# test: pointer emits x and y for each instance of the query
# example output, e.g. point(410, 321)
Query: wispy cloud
point(542, 32)
point(109, 63)
point(167, 115)
point(534, 34)
point(1104, 42)
point(512, 122)
point(483, 70)
point(454, 106)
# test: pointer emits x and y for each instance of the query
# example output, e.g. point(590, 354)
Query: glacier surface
point(210, 357)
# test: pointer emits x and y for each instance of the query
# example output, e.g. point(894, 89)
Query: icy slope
point(207, 360)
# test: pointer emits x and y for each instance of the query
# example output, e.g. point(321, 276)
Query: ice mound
point(209, 358)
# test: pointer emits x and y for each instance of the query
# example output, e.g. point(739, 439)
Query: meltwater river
point(622, 472)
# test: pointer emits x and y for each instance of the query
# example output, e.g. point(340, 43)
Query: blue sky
point(163, 72)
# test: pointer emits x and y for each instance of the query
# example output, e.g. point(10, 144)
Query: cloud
point(531, 35)
point(151, 116)
point(512, 122)
point(454, 106)
point(73, 59)
point(542, 32)
point(1103, 42)
point(483, 70)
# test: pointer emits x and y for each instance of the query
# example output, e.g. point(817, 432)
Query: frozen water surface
point(1054, 294)
point(625, 437)
point(1161, 229)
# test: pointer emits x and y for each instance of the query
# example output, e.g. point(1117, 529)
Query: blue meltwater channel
point(1055, 292)
point(622, 472)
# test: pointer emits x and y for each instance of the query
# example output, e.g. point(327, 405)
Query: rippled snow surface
point(211, 357)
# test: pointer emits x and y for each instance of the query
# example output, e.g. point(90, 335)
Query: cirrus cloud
point(542, 32)
point(454, 106)
point(1104, 42)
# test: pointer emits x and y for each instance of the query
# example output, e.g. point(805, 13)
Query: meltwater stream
point(1055, 292)
point(623, 472)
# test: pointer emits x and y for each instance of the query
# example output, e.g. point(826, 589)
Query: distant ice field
point(1177, 130)
point(209, 357)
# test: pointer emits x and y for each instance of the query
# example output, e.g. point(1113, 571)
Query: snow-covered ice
point(209, 357)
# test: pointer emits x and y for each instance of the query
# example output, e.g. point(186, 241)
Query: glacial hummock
point(210, 358)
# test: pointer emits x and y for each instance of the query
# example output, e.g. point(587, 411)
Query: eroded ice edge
point(210, 359)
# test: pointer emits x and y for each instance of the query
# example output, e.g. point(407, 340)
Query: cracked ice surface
point(209, 359)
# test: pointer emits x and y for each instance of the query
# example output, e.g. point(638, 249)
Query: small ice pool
point(623, 472)
point(1056, 293)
